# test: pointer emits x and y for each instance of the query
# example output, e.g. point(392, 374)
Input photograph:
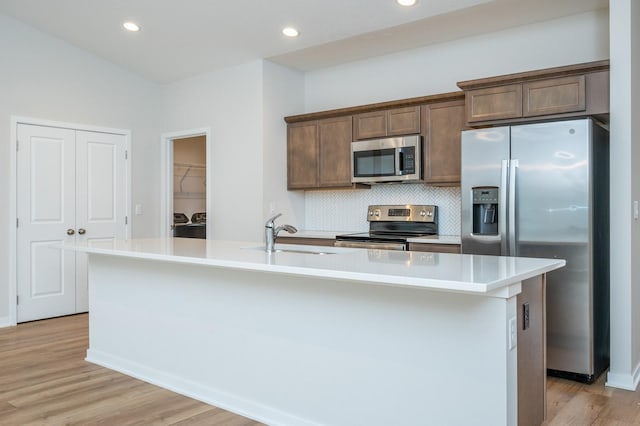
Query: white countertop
point(431, 239)
point(438, 271)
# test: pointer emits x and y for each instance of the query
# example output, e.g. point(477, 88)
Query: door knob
point(70, 231)
point(82, 231)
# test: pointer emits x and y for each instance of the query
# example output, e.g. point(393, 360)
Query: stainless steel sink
point(288, 250)
point(319, 253)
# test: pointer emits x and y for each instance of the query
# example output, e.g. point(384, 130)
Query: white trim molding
point(166, 178)
point(11, 320)
point(628, 382)
point(6, 322)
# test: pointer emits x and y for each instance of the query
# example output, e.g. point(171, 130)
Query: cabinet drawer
point(435, 248)
point(494, 103)
point(554, 96)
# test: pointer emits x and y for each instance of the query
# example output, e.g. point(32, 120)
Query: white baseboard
point(624, 381)
point(6, 322)
point(197, 391)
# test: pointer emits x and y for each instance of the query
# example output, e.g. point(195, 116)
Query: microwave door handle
point(400, 163)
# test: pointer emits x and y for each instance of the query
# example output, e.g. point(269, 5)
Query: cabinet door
point(322, 242)
point(302, 155)
point(554, 96)
point(403, 121)
point(370, 125)
point(494, 103)
point(443, 124)
point(335, 152)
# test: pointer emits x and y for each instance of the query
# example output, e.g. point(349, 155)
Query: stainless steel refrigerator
point(542, 190)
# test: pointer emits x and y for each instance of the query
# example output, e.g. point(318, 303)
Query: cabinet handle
point(70, 231)
point(82, 231)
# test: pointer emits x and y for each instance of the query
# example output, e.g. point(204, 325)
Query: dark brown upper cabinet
point(391, 122)
point(442, 126)
point(319, 154)
point(570, 91)
point(302, 155)
point(319, 143)
point(554, 96)
point(494, 103)
point(335, 152)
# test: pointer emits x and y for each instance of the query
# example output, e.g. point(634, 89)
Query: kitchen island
point(314, 335)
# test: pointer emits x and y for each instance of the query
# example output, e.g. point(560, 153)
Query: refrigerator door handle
point(502, 209)
point(513, 167)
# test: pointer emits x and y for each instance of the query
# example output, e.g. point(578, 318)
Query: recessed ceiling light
point(131, 26)
point(406, 2)
point(290, 32)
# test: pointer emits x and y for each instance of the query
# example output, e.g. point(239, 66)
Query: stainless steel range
point(390, 226)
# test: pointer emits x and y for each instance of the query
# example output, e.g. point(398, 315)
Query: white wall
point(625, 184)
point(634, 254)
point(43, 77)
point(436, 69)
point(228, 101)
point(283, 91)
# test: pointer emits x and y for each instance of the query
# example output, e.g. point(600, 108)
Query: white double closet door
point(71, 188)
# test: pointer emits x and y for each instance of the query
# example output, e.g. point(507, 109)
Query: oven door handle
point(369, 245)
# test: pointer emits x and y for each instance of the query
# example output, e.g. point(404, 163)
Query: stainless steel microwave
point(387, 160)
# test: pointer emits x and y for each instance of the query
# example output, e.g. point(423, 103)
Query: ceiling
point(180, 39)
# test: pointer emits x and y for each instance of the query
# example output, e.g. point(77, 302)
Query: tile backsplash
point(345, 210)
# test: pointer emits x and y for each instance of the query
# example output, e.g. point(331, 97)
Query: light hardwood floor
point(44, 380)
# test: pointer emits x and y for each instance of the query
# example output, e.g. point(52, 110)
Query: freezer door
point(552, 219)
point(485, 155)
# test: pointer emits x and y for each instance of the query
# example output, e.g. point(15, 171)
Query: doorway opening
point(186, 184)
point(190, 187)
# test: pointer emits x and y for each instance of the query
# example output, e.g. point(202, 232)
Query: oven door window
point(378, 162)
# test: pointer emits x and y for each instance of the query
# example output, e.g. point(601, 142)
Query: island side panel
point(285, 349)
point(532, 365)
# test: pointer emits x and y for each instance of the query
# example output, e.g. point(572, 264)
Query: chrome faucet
point(270, 233)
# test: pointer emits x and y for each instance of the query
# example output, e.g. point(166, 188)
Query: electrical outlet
point(513, 333)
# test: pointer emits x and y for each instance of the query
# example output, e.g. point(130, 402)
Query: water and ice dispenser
point(485, 210)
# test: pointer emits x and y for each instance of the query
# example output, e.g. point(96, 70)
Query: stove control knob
point(370, 212)
point(423, 213)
